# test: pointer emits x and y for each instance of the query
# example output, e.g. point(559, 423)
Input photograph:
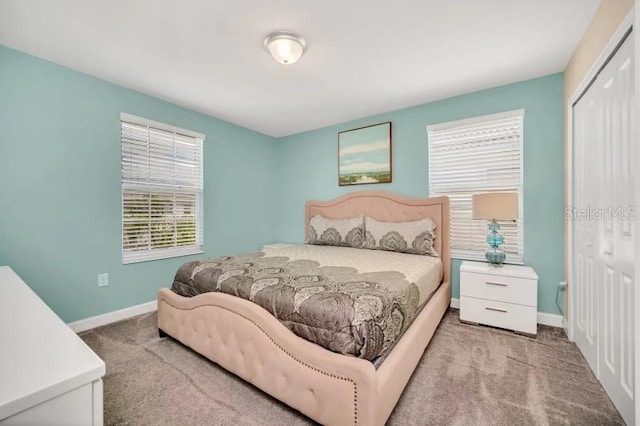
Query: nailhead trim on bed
point(334, 376)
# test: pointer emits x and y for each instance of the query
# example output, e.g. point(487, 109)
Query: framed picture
point(364, 155)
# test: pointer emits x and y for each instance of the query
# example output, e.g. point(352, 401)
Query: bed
point(329, 387)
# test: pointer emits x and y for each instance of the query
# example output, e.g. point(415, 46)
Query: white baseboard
point(553, 320)
point(115, 316)
point(544, 318)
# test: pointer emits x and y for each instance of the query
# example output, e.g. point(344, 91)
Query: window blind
point(161, 190)
point(466, 157)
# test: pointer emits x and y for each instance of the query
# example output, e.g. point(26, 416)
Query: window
point(161, 190)
point(482, 154)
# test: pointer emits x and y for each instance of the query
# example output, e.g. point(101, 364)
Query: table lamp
point(495, 206)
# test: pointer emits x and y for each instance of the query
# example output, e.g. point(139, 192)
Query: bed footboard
point(246, 340)
point(330, 388)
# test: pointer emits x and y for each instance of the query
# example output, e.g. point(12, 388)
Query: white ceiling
point(364, 56)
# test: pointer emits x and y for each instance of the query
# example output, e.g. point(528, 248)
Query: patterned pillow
point(336, 232)
point(414, 237)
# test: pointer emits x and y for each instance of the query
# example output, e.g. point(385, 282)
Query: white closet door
point(603, 263)
point(616, 265)
point(585, 235)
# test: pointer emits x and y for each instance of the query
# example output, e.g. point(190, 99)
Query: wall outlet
point(103, 280)
point(562, 285)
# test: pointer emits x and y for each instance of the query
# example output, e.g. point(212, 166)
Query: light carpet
point(469, 375)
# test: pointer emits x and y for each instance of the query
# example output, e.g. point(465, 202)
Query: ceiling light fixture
point(285, 47)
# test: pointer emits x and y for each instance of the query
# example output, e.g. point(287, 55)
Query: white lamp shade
point(285, 47)
point(495, 205)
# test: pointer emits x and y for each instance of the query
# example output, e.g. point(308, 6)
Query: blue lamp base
point(494, 255)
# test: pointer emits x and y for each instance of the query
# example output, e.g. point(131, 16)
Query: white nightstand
point(275, 246)
point(505, 296)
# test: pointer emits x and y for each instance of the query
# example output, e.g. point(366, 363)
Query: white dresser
point(501, 296)
point(48, 375)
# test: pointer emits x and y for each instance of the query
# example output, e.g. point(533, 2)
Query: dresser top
point(517, 271)
point(40, 356)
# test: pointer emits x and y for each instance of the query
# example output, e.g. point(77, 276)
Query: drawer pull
point(496, 309)
point(493, 283)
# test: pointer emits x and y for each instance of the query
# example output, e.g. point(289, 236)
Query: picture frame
point(365, 155)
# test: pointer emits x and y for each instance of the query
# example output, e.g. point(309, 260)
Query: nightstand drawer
point(521, 291)
point(498, 314)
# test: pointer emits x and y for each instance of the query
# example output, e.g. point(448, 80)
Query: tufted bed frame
point(330, 388)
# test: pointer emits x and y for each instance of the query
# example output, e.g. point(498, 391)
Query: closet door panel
point(603, 263)
point(586, 183)
point(616, 252)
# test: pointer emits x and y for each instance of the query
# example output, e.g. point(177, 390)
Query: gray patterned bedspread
point(336, 307)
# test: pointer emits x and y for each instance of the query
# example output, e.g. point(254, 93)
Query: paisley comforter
point(358, 314)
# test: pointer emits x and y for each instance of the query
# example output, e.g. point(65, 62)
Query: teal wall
point(308, 168)
point(60, 212)
point(60, 193)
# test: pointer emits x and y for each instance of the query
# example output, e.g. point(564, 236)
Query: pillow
point(336, 232)
point(414, 237)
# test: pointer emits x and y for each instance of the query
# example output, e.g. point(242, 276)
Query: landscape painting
point(364, 155)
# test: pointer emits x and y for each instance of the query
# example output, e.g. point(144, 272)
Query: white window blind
point(161, 190)
point(466, 157)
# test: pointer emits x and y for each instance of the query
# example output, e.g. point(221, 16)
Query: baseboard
point(553, 320)
point(544, 318)
point(115, 316)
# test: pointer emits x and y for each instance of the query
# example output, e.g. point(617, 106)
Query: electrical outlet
point(562, 285)
point(103, 280)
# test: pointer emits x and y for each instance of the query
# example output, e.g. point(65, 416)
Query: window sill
point(158, 254)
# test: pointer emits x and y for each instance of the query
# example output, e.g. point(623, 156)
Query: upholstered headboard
point(389, 207)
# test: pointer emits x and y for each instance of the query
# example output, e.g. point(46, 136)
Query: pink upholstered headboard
point(389, 207)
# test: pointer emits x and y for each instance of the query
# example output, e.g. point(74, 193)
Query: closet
point(602, 220)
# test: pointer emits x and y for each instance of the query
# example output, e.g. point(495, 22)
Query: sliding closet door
point(616, 267)
point(603, 262)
